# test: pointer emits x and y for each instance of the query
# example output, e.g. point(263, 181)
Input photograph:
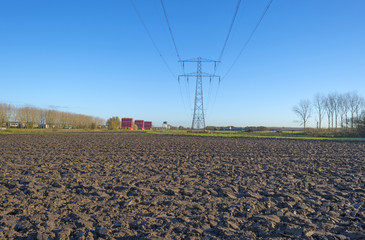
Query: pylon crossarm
point(198, 60)
point(198, 75)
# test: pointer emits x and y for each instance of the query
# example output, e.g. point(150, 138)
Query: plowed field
point(179, 187)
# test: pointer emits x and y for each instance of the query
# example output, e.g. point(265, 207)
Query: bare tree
point(331, 105)
point(303, 110)
point(335, 105)
point(35, 117)
point(6, 113)
point(318, 104)
point(22, 116)
point(53, 117)
point(343, 108)
point(2, 114)
point(354, 103)
point(99, 121)
point(328, 109)
point(359, 107)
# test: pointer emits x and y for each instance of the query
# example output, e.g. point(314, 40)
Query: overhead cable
point(151, 38)
point(175, 46)
point(229, 30)
point(170, 30)
point(222, 52)
point(250, 37)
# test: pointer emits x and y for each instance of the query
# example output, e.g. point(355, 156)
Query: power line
point(151, 38)
point(187, 88)
point(216, 95)
point(222, 51)
point(176, 50)
point(230, 29)
point(175, 46)
point(249, 38)
point(187, 113)
point(221, 54)
point(157, 48)
point(170, 30)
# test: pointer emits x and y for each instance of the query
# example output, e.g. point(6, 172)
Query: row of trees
point(343, 111)
point(31, 117)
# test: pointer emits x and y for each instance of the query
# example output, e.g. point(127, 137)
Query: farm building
point(147, 125)
point(14, 124)
point(127, 123)
point(140, 124)
point(165, 125)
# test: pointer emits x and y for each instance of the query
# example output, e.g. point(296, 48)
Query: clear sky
point(94, 57)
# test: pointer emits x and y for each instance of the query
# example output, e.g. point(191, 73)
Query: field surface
point(143, 186)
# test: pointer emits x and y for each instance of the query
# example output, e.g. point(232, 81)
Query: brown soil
point(179, 187)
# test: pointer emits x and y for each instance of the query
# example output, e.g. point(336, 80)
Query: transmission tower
point(198, 117)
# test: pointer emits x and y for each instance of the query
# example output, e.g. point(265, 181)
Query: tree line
point(333, 111)
point(32, 117)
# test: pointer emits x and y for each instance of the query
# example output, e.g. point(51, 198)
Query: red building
point(140, 124)
point(148, 125)
point(127, 123)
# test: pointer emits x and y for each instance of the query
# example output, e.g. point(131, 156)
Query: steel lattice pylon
point(198, 117)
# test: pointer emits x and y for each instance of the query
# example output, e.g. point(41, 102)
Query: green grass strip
point(181, 133)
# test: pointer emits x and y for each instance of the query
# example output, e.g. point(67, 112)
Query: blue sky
point(94, 57)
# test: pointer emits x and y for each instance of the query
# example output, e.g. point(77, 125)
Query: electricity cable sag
point(151, 38)
point(170, 30)
point(249, 38)
point(222, 51)
point(156, 47)
point(176, 49)
point(229, 30)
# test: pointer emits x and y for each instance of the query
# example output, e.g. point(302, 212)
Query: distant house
point(165, 125)
point(127, 123)
point(232, 129)
point(43, 125)
point(14, 125)
point(140, 124)
point(148, 125)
